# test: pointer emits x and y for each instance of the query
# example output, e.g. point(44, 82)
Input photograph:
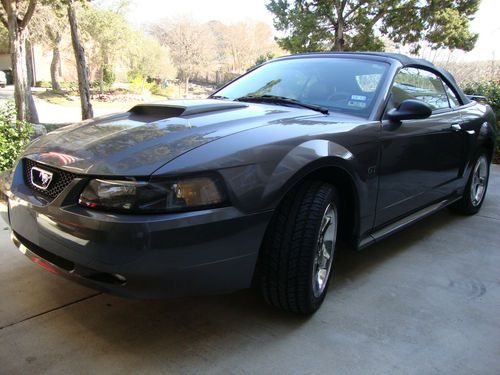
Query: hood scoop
point(182, 108)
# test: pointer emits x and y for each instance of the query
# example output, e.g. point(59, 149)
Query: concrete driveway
point(425, 301)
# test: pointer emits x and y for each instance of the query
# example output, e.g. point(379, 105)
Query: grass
point(62, 98)
point(53, 97)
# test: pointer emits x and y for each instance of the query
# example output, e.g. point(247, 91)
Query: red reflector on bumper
point(47, 266)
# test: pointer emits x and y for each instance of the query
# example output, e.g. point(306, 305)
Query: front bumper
point(143, 256)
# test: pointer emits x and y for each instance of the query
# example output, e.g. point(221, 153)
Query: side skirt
point(404, 222)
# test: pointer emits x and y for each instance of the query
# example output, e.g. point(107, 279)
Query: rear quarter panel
point(480, 119)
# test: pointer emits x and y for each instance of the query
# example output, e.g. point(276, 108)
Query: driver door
point(420, 159)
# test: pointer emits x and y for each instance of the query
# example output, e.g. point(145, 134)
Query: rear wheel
point(299, 247)
point(477, 184)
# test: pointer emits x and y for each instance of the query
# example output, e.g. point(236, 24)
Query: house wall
point(43, 59)
point(42, 56)
point(5, 62)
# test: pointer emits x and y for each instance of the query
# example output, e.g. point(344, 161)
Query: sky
point(144, 11)
point(228, 11)
point(487, 24)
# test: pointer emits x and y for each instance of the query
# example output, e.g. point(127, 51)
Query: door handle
point(456, 127)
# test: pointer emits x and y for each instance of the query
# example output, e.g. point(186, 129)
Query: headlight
point(154, 197)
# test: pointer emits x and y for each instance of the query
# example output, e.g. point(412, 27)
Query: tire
point(475, 190)
point(290, 258)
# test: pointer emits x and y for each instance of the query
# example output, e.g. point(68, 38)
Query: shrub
point(43, 84)
point(14, 135)
point(71, 86)
point(160, 90)
point(95, 85)
point(139, 85)
point(491, 90)
point(108, 76)
point(106, 81)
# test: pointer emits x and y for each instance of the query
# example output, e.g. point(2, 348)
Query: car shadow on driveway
point(351, 264)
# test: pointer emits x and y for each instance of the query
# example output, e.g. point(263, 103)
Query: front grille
point(60, 179)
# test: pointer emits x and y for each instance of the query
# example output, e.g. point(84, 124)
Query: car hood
point(138, 142)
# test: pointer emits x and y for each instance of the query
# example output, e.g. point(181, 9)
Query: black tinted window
point(339, 84)
point(412, 83)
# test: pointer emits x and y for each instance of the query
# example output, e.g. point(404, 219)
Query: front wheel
point(299, 247)
point(475, 190)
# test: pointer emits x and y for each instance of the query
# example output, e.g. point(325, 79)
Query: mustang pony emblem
point(41, 178)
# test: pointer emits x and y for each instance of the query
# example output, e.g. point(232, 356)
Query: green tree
point(146, 57)
point(343, 25)
point(107, 33)
point(114, 43)
point(263, 58)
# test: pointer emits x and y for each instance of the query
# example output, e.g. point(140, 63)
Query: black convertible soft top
point(405, 61)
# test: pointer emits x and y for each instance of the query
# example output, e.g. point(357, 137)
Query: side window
point(454, 102)
point(413, 83)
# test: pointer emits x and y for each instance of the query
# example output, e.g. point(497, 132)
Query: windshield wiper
point(282, 100)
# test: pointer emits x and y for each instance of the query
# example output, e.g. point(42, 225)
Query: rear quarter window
point(413, 83)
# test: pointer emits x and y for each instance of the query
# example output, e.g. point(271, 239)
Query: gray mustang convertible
point(258, 183)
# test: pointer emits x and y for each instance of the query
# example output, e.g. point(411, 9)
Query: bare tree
point(81, 63)
point(191, 45)
point(17, 23)
point(245, 42)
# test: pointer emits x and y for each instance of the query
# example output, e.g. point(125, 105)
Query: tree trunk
point(55, 64)
point(234, 58)
point(25, 107)
point(33, 118)
point(81, 64)
point(339, 35)
point(29, 64)
point(101, 81)
point(186, 85)
point(339, 29)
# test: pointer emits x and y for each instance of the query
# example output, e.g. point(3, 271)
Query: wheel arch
point(488, 133)
point(489, 146)
point(335, 171)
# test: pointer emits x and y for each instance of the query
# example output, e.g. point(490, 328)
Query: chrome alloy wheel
point(325, 249)
point(479, 180)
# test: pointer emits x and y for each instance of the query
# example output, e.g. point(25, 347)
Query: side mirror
point(410, 109)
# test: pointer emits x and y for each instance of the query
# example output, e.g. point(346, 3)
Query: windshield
point(339, 84)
